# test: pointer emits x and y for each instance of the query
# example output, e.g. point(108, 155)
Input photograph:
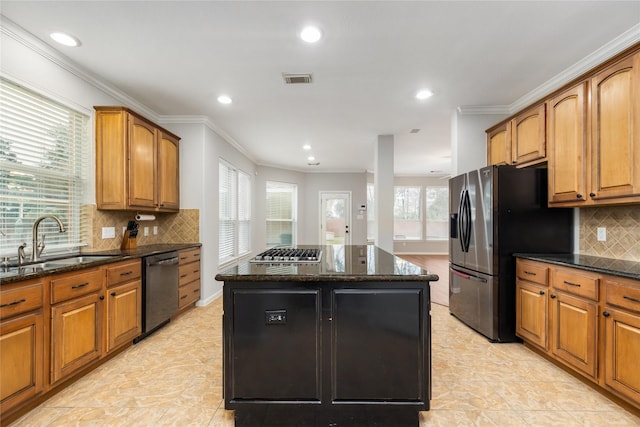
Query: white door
point(335, 217)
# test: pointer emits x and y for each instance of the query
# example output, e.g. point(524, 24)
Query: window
point(371, 213)
point(407, 213)
point(234, 218)
point(43, 164)
point(437, 213)
point(281, 214)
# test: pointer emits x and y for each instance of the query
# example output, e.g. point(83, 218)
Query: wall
point(469, 140)
point(623, 232)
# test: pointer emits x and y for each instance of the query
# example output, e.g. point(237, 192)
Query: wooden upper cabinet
point(168, 172)
point(137, 163)
point(567, 146)
point(142, 163)
point(528, 141)
point(499, 145)
point(615, 154)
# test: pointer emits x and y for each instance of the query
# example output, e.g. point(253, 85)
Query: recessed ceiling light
point(224, 99)
point(311, 158)
point(65, 39)
point(310, 34)
point(424, 94)
point(306, 147)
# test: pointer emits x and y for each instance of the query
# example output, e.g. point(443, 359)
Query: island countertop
point(345, 263)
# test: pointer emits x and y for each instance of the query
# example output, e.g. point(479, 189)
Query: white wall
point(469, 140)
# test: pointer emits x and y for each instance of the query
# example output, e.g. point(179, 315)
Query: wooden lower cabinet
point(124, 314)
point(21, 359)
point(531, 319)
point(622, 349)
point(76, 335)
point(189, 277)
point(574, 332)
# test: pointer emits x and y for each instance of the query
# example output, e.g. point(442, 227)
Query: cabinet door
point(528, 139)
point(573, 332)
point(168, 173)
point(124, 314)
point(531, 312)
point(615, 154)
point(142, 163)
point(567, 147)
point(622, 347)
point(377, 345)
point(111, 160)
point(21, 360)
point(76, 328)
point(275, 345)
point(499, 145)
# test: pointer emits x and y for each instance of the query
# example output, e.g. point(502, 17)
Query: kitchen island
point(342, 341)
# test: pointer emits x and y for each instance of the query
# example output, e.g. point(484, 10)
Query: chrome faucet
point(38, 247)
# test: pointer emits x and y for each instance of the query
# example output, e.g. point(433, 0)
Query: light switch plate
point(108, 232)
point(146, 231)
point(155, 230)
point(602, 234)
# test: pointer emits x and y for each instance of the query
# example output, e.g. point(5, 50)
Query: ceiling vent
point(414, 131)
point(296, 78)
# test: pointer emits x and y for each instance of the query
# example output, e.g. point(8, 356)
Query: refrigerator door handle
point(467, 239)
point(467, 276)
point(461, 219)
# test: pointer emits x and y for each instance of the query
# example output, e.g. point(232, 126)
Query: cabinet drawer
point(532, 271)
point(189, 272)
point(123, 272)
point(69, 286)
point(189, 255)
point(623, 293)
point(20, 299)
point(189, 293)
point(576, 282)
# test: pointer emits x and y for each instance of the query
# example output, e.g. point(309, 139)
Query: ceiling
point(176, 57)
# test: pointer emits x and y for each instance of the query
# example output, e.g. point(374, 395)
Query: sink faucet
point(38, 247)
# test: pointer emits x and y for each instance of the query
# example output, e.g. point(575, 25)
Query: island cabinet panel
point(275, 349)
point(384, 323)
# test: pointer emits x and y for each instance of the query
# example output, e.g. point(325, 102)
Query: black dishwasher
point(159, 291)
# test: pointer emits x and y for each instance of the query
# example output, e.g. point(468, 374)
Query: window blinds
point(43, 164)
point(234, 213)
point(281, 214)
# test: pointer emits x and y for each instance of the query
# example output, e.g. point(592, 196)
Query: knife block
point(128, 242)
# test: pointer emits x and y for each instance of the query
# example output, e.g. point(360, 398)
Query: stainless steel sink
point(78, 259)
point(50, 264)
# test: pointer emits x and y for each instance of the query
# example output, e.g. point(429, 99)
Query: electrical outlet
point(155, 230)
point(108, 232)
point(602, 234)
point(146, 231)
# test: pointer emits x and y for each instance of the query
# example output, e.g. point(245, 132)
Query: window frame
point(421, 215)
point(294, 212)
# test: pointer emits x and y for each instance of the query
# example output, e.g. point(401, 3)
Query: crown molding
point(484, 109)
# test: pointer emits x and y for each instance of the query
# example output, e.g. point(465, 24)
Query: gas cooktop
point(288, 255)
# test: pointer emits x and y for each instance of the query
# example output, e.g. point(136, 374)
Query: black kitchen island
point(343, 341)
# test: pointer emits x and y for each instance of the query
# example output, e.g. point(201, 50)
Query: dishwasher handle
point(168, 261)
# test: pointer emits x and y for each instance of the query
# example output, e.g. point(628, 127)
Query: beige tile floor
point(174, 378)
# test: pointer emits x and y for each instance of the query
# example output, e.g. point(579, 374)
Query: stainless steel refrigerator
point(495, 212)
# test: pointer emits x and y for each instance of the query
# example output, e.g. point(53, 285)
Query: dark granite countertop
point(96, 258)
point(614, 267)
point(351, 263)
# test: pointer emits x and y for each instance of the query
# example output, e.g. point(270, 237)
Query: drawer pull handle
point(572, 284)
point(184, 296)
point(81, 285)
point(631, 298)
point(196, 271)
point(126, 273)
point(530, 273)
point(183, 276)
point(13, 303)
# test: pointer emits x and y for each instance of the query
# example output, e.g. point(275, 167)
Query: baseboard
point(212, 298)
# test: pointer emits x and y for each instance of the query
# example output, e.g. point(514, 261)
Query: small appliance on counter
point(129, 239)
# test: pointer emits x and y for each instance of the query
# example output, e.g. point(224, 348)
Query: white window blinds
point(43, 163)
point(234, 218)
point(281, 214)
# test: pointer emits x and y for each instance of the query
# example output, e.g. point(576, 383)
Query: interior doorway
point(335, 217)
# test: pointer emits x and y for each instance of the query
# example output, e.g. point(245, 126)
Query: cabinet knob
point(553, 296)
point(579, 196)
point(101, 297)
point(592, 194)
point(113, 294)
point(541, 292)
point(606, 314)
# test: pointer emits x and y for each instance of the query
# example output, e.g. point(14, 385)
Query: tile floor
point(174, 378)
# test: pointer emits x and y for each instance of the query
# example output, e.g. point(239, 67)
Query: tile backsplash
point(622, 225)
point(181, 227)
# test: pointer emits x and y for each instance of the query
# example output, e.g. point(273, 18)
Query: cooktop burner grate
point(289, 255)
